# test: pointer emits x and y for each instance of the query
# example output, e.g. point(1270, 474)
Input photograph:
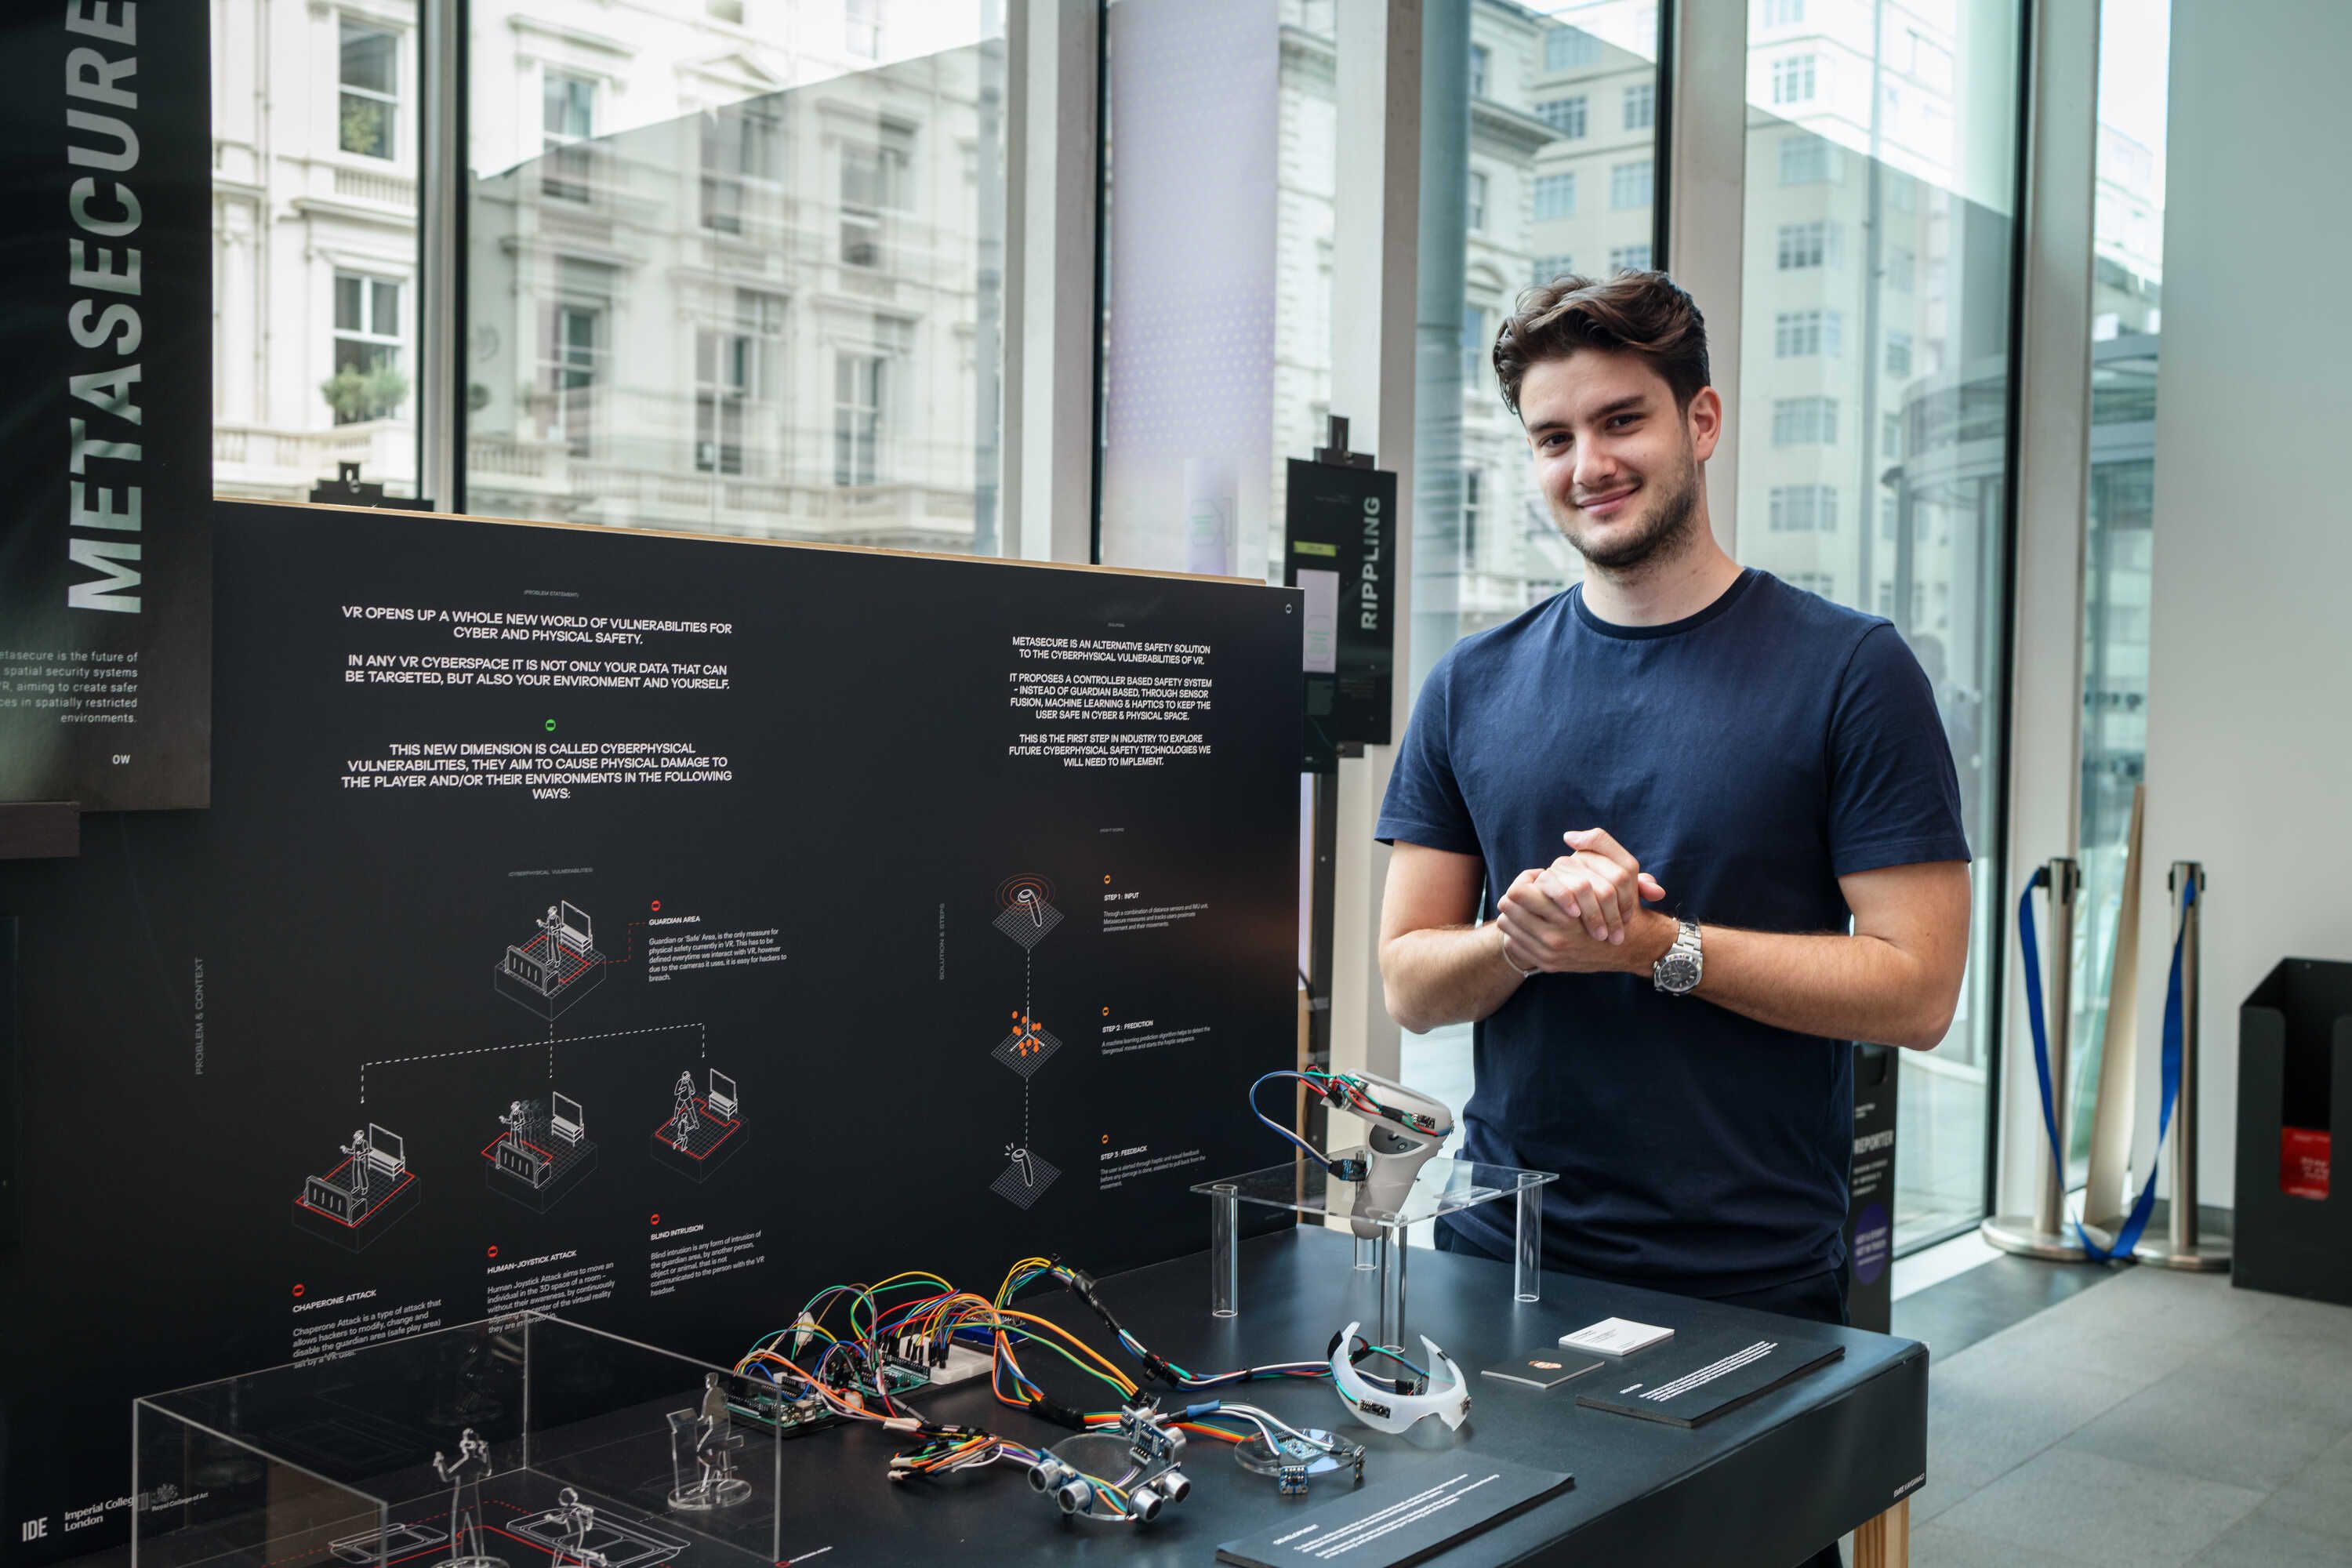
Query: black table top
point(1766, 1484)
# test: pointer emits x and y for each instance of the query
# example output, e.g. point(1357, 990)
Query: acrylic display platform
point(524, 1441)
point(1441, 1187)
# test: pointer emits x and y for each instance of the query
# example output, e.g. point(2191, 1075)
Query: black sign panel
point(1870, 1191)
point(657, 929)
point(106, 429)
point(1340, 548)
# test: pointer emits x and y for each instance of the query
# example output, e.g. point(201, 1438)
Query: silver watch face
point(1678, 971)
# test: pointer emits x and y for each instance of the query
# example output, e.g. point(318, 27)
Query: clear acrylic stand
point(1441, 1188)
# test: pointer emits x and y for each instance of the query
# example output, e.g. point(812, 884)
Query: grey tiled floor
point(2154, 1418)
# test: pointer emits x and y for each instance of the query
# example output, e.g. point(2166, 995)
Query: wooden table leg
point(1885, 1541)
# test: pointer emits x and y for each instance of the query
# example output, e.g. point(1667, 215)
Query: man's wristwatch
point(1677, 972)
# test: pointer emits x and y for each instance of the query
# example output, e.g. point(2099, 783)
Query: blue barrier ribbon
point(2137, 1221)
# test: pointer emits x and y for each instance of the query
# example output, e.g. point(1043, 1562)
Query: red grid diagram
point(375, 1204)
point(710, 1119)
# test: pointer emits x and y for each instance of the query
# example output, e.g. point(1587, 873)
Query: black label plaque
point(1340, 546)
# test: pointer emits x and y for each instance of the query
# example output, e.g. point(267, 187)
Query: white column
point(2046, 594)
point(1374, 280)
point(1706, 134)
point(1053, 204)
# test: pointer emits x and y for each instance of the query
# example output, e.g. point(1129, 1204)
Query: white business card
point(1616, 1336)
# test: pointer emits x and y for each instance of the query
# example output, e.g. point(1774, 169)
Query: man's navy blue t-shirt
point(1748, 756)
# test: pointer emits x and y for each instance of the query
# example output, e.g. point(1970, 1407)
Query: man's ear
point(1705, 422)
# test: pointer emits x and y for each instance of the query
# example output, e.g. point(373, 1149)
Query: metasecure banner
point(105, 417)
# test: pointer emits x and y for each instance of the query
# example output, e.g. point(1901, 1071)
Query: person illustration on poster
point(358, 1150)
point(470, 1468)
point(684, 1123)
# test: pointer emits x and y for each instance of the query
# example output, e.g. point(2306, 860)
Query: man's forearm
point(1445, 974)
point(1842, 987)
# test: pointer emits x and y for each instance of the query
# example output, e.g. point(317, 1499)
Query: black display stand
point(2294, 1069)
point(1870, 1191)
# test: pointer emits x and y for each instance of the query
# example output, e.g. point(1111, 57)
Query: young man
point(1673, 788)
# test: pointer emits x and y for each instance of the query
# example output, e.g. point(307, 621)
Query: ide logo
point(34, 1529)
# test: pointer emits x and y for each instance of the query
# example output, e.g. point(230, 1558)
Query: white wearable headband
point(1385, 1410)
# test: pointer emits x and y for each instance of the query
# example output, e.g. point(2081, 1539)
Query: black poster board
point(105, 275)
point(1339, 549)
point(963, 919)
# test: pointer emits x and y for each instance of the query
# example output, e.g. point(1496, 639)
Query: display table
point(327, 1467)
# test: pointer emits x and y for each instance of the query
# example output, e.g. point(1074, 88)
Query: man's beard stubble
point(1660, 540)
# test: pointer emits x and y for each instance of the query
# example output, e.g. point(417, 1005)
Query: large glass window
point(1879, 223)
point(315, 281)
point(738, 285)
point(1485, 547)
point(683, 217)
point(2126, 314)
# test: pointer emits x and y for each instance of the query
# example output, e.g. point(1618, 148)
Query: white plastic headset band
point(1386, 1411)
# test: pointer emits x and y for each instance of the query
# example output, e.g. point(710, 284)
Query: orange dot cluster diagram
point(1026, 1026)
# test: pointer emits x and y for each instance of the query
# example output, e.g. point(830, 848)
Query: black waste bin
point(2295, 1087)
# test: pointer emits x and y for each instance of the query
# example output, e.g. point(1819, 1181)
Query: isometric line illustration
point(365, 1195)
point(556, 967)
point(544, 1154)
point(1027, 915)
point(704, 1129)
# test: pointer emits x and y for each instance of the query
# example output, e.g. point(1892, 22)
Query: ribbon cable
point(2137, 1221)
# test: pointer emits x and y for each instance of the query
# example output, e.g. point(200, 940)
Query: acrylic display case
point(1441, 1186)
point(524, 1441)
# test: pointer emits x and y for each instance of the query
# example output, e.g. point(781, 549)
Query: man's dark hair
point(1644, 313)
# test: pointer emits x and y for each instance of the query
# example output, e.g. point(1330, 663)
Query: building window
point(1805, 508)
point(1629, 185)
point(1822, 583)
point(1470, 505)
point(1800, 246)
point(1629, 258)
point(859, 383)
point(1640, 106)
point(567, 118)
point(724, 11)
point(1477, 344)
point(1804, 421)
point(729, 376)
point(1548, 267)
point(861, 28)
point(367, 383)
point(1890, 436)
point(873, 182)
point(1565, 49)
point(1805, 335)
point(1898, 353)
point(1793, 79)
point(1477, 202)
point(1902, 269)
point(1479, 59)
point(739, 146)
point(1809, 160)
point(575, 355)
point(1784, 13)
point(1555, 196)
point(369, 77)
point(1565, 115)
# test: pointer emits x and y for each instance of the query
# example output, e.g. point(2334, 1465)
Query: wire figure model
point(471, 1467)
